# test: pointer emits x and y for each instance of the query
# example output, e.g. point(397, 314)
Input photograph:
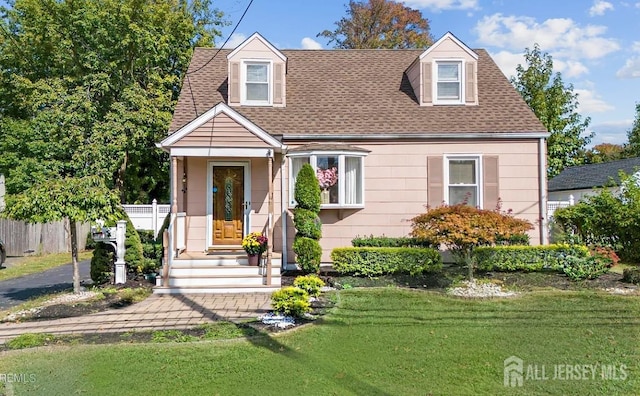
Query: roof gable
point(256, 40)
point(218, 109)
point(449, 37)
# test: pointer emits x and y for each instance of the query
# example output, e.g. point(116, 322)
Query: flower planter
point(254, 259)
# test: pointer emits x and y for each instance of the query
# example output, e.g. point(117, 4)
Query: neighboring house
point(402, 129)
point(583, 180)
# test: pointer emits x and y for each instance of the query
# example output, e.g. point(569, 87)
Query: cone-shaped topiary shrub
point(305, 218)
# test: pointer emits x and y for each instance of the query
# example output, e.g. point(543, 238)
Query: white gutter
point(542, 176)
point(283, 216)
point(395, 136)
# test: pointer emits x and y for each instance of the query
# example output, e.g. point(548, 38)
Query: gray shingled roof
point(592, 175)
point(338, 92)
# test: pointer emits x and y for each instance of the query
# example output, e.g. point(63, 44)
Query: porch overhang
point(252, 141)
point(221, 152)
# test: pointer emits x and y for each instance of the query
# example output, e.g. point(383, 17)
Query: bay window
point(340, 175)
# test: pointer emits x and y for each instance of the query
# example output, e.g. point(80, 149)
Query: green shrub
point(308, 254)
point(133, 255)
point(291, 301)
point(90, 243)
point(309, 283)
point(307, 223)
point(165, 226)
point(631, 275)
point(526, 258)
point(384, 241)
point(146, 236)
point(305, 218)
point(152, 252)
point(102, 263)
point(373, 261)
point(307, 189)
point(514, 240)
point(578, 268)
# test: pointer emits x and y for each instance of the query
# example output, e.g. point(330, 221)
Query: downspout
point(283, 216)
point(542, 188)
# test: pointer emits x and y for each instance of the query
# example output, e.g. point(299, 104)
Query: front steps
point(219, 272)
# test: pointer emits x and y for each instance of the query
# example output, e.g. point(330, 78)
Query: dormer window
point(449, 81)
point(256, 83)
point(449, 84)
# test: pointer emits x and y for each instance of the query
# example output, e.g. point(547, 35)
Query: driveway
point(18, 290)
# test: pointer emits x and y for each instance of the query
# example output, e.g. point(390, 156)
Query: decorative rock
point(61, 299)
point(277, 320)
point(472, 289)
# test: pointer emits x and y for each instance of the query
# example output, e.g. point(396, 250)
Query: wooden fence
point(21, 238)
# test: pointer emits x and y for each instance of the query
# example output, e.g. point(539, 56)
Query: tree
point(86, 89)
point(633, 147)
point(380, 24)
point(77, 199)
point(605, 152)
point(555, 105)
point(462, 228)
point(121, 62)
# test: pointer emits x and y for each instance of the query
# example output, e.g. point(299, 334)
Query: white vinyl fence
point(552, 206)
point(148, 217)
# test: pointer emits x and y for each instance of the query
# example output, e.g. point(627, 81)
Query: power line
point(225, 42)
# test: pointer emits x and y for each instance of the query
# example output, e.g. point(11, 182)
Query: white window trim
point(479, 172)
point(313, 156)
point(434, 87)
point(243, 82)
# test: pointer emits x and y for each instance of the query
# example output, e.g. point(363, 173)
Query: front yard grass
point(383, 341)
point(34, 264)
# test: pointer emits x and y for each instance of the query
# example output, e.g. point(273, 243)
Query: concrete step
point(217, 270)
point(215, 289)
point(220, 261)
point(194, 280)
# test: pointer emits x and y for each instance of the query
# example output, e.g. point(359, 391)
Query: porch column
point(270, 223)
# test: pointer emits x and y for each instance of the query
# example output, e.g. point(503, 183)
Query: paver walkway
point(158, 312)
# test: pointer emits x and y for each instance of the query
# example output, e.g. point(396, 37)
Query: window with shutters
point(462, 180)
point(256, 83)
point(449, 84)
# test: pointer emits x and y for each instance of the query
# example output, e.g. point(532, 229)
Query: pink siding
point(395, 191)
point(396, 188)
point(221, 131)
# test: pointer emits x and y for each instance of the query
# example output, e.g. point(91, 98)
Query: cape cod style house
point(392, 131)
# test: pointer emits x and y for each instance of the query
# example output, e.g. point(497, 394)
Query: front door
point(228, 204)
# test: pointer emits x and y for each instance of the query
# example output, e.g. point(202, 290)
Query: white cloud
point(561, 37)
point(599, 7)
point(590, 102)
point(235, 40)
point(635, 47)
point(440, 5)
point(631, 68)
point(309, 43)
point(570, 68)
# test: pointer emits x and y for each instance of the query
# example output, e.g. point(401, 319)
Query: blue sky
point(595, 44)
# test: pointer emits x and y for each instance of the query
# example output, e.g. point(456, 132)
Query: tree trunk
point(120, 177)
point(74, 255)
point(468, 259)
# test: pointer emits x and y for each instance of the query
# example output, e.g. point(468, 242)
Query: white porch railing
point(147, 217)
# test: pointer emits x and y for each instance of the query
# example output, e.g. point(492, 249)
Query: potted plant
point(254, 243)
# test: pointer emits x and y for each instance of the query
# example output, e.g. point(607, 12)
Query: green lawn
point(33, 264)
point(376, 342)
